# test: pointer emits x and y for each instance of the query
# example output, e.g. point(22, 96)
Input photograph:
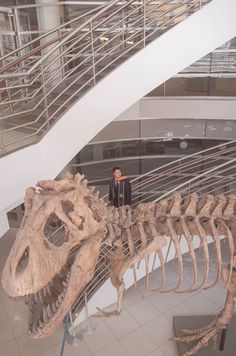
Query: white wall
point(4, 225)
point(179, 47)
point(214, 108)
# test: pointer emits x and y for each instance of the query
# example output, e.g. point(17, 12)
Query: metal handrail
point(29, 54)
point(79, 70)
point(187, 184)
point(177, 163)
point(68, 37)
point(56, 29)
point(193, 163)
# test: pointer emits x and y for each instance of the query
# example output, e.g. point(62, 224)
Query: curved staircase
point(60, 108)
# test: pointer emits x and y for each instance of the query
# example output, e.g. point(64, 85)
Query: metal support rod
point(73, 339)
point(2, 147)
point(86, 312)
point(65, 334)
point(45, 96)
point(144, 23)
point(92, 50)
point(72, 324)
point(168, 251)
point(222, 339)
point(88, 328)
point(123, 27)
point(19, 43)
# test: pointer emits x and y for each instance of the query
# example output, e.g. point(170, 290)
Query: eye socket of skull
point(67, 206)
point(53, 229)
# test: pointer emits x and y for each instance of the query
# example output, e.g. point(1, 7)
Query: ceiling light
point(183, 145)
point(104, 39)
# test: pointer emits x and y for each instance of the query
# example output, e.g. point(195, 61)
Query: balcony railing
point(42, 79)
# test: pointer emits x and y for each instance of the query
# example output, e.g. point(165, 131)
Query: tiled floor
point(143, 328)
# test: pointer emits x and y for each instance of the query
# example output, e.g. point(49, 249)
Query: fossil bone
point(51, 273)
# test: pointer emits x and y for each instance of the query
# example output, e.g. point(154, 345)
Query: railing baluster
point(45, 96)
point(144, 23)
point(92, 52)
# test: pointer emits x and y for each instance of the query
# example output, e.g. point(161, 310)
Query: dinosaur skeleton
point(51, 275)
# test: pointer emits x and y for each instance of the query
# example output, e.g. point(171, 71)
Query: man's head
point(116, 172)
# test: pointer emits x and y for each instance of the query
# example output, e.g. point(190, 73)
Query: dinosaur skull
point(47, 268)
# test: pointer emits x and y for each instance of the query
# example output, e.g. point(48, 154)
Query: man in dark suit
point(120, 189)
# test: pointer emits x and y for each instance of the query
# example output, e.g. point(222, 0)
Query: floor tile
point(19, 324)
point(57, 336)
point(32, 347)
point(10, 349)
point(3, 296)
point(3, 314)
point(182, 297)
point(164, 301)
point(144, 311)
point(217, 295)
point(14, 307)
point(6, 333)
point(115, 349)
point(157, 352)
point(133, 296)
point(100, 338)
point(180, 309)
point(169, 349)
point(138, 343)
point(121, 325)
point(73, 350)
point(160, 329)
point(200, 304)
point(49, 352)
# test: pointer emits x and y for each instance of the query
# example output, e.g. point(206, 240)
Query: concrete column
point(4, 225)
point(48, 19)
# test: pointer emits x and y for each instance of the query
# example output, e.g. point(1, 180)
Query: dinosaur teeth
point(61, 274)
point(65, 284)
point(54, 308)
point(49, 291)
point(39, 296)
point(27, 299)
point(41, 324)
point(34, 329)
point(60, 298)
point(45, 291)
point(45, 315)
point(49, 311)
point(57, 304)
